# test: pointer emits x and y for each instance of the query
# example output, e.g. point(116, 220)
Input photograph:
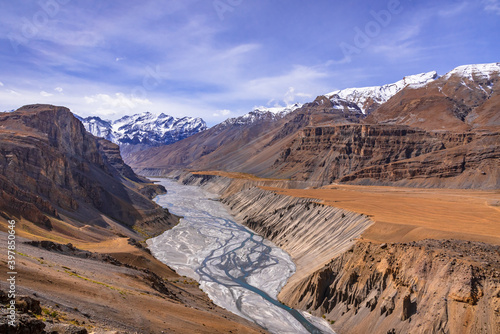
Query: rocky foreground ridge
point(429, 286)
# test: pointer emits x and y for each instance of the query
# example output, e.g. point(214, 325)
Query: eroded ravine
point(238, 269)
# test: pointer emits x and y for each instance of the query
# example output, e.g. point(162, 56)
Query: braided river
point(238, 269)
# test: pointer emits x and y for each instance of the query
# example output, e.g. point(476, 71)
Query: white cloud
point(1, 84)
point(291, 96)
point(45, 94)
point(400, 44)
point(492, 6)
point(223, 112)
point(58, 89)
point(118, 103)
point(300, 81)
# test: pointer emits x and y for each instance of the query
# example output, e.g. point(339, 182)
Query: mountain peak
point(261, 113)
point(279, 110)
point(367, 98)
point(145, 128)
point(480, 70)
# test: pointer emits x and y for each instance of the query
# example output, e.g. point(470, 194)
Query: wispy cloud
point(180, 59)
point(453, 10)
point(223, 112)
point(492, 6)
point(105, 104)
point(399, 44)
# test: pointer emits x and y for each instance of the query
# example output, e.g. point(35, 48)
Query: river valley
point(238, 269)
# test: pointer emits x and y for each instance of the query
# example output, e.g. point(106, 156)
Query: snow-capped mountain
point(474, 70)
point(368, 98)
point(146, 128)
point(261, 113)
point(98, 127)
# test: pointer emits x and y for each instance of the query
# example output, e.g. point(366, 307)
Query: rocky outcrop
point(422, 287)
point(51, 168)
point(469, 165)
point(390, 154)
point(29, 319)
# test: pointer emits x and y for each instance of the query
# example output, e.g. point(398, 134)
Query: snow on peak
point(146, 128)
point(381, 94)
point(480, 70)
point(278, 110)
point(261, 113)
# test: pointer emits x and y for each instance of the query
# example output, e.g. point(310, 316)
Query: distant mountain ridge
point(260, 114)
point(145, 129)
point(424, 130)
point(369, 98)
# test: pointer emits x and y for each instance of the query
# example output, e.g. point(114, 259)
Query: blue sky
point(220, 58)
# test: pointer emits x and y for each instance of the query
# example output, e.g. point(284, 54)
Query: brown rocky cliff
point(328, 153)
point(460, 165)
point(421, 287)
point(50, 165)
point(390, 154)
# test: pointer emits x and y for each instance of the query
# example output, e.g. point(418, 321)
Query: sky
point(221, 58)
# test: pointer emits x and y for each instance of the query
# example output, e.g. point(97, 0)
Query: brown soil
point(411, 214)
point(138, 295)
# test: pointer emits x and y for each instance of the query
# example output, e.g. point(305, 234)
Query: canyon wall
point(312, 233)
point(391, 155)
point(430, 286)
point(52, 170)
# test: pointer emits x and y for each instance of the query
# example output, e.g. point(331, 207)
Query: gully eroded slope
point(311, 232)
point(449, 286)
point(429, 286)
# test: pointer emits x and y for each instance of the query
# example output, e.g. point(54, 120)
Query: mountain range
point(144, 130)
point(87, 213)
point(424, 130)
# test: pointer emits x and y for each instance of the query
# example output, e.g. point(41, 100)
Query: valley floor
point(378, 259)
point(411, 214)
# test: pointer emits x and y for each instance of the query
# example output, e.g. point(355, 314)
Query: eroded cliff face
point(429, 286)
point(422, 287)
point(391, 154)
point(51, 167)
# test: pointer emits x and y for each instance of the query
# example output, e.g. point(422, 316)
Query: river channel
point(238, 269)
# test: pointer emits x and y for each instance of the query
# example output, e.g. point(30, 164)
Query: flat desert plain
point(411, 214)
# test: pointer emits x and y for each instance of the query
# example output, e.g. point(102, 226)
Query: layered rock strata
point(430, 286)
point(391, 155)
point(51, 168)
